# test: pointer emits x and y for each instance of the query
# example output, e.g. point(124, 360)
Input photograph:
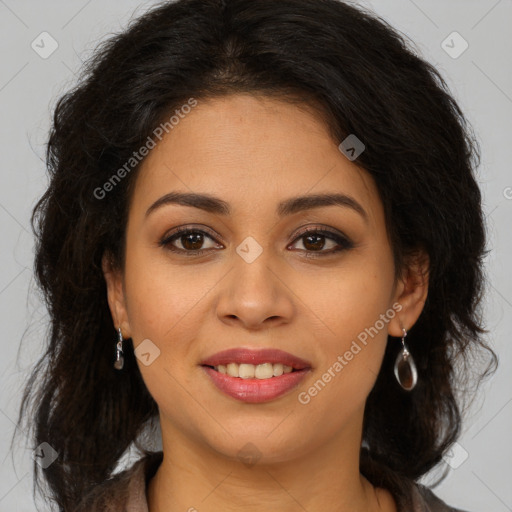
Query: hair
point(362, 77)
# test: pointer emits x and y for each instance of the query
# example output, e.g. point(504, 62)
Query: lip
point(256, 390)
point(260, 356)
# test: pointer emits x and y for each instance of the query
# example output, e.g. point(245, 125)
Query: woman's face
point(259, 283)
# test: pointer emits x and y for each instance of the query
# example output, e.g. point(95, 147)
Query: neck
point(193, 477)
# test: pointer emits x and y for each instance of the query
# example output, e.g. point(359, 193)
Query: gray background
point(480, 78)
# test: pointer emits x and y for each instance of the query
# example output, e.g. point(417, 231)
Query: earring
point(405, 369)
point(119, 362)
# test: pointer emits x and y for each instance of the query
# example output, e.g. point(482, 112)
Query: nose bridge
point(252, 274)
point(254, 290)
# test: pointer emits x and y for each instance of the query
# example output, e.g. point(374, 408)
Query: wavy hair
point(362, 77)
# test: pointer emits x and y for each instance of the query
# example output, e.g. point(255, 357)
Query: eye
point(314, 240)
point(190, 239)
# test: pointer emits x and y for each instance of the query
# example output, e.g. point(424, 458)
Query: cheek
point(348, 314)
point(164, 304)
point(346, 300)
point(162, 298)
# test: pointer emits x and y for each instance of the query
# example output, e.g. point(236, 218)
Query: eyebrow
point(289, 206)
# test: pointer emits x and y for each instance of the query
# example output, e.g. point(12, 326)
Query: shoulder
point(426, 501)
point(125, 491)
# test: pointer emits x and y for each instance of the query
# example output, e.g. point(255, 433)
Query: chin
point(251, 448)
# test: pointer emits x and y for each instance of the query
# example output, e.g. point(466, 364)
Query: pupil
point(317, 245)
point(192, 241)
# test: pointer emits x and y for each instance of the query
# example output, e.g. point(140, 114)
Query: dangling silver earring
point(119, 362)
point(405, 369)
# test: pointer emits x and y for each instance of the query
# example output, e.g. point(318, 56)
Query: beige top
point(126, 492)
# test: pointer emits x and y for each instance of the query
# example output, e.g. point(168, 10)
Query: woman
point(263, 232)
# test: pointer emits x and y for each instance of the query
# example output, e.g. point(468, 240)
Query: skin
point(254, 152)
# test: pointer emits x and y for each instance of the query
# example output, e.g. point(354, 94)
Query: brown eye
point(190, 240)
point(315, 241)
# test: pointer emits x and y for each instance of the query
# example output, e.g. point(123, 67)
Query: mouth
point(255, 375)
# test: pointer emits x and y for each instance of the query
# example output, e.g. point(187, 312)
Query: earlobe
point(115, 295)
point(411, 293)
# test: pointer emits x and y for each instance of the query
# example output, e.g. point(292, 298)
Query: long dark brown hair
point(364, 78)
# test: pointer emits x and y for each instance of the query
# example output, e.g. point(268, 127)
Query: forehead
point(251, 151)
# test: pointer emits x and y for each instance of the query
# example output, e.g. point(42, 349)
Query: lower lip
point(255, 390)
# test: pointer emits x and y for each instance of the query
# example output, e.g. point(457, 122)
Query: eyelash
point(343, 241)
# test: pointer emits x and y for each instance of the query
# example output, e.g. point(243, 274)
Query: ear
point(115, 294)
point(411, 293)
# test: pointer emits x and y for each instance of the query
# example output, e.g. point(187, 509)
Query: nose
point(255, 295)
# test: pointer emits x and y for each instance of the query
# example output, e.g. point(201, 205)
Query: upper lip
point(259, 356)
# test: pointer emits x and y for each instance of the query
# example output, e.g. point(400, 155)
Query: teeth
point(246, 371)
point(251, 371)
point(278, 369)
